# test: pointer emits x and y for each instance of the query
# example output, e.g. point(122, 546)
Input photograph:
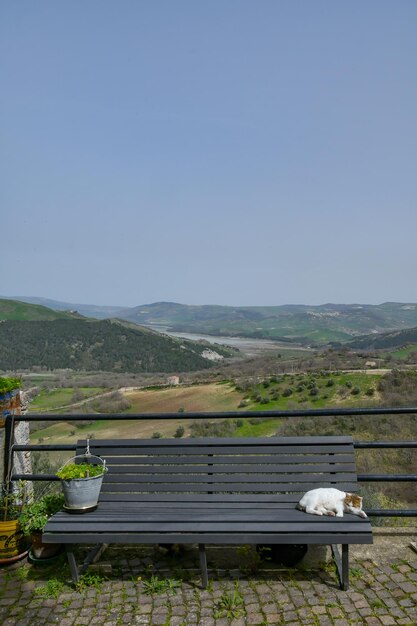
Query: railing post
point(8, 453)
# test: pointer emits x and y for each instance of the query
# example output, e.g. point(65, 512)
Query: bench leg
point(203, 564)
point(72, 564)
point(91, 557)
point(342, 565)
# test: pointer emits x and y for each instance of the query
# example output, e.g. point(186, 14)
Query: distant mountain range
point(314, 325)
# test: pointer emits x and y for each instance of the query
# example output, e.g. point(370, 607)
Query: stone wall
point(11, 403)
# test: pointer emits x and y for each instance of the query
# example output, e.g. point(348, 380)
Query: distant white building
point(173, 380)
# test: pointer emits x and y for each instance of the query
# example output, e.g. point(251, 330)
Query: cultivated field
point(215, 397)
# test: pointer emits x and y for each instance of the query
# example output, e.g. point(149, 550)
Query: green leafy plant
point(356, 572)
point(80, 470)
point(52, 589)
point(11, 503)
point(90, 579)
point(35, 514)
point(160, 585)
point(251, 559)
point(230, 605)
point(9, 384)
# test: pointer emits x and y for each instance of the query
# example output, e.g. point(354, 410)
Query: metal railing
point(10, 447)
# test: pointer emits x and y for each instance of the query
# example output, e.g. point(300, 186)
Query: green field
point(51, 400)
point(404, 353)
point(258, 427)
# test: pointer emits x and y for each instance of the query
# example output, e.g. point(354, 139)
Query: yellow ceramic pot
point(12, 540)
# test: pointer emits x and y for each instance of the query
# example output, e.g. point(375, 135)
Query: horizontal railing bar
point(28, 417)
point(70, 446)
point(21, 447)
point(392, 478)
point(34, 477)
point(392, 513)
point(65, 447)
point(369, 478)
point(384, 444)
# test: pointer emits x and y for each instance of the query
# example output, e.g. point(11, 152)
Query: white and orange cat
point(331, 501)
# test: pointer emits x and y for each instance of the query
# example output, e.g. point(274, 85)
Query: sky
point(234, 152)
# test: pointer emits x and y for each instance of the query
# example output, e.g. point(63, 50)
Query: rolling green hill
point(87, 310)
point(385, 341)
point(301, 323)
point(21, 311)
point(106, 345)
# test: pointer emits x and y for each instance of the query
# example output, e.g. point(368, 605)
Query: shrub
point(35, 515)
point(9, 384)
point(179, 432)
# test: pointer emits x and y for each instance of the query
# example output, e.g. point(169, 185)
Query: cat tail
point(299, 507)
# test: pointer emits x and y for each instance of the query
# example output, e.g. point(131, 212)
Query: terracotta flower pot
point(42, 550)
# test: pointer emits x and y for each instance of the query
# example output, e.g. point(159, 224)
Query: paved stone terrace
point(128, 588)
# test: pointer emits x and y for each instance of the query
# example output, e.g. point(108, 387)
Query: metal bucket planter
point(82, 494)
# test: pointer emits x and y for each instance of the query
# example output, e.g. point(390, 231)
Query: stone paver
point(131, 593)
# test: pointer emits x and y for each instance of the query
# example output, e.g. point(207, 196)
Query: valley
point(276, 392)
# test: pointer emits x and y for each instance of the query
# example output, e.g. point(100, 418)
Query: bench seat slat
point(202, 499)
point(210, 527)
point(136, 515)
point(286, 537)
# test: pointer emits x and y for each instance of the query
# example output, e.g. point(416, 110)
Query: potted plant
point(33, 520)
point(9, 397)
point(12, 539)
point(81, 483)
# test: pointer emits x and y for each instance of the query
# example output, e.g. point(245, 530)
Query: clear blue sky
point(209, 152)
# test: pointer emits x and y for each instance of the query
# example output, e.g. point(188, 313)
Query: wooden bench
point(215, 491)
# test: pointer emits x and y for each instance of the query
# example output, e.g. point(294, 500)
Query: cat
point(330, 501)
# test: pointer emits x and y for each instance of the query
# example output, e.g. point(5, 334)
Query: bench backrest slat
point(224, 465)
